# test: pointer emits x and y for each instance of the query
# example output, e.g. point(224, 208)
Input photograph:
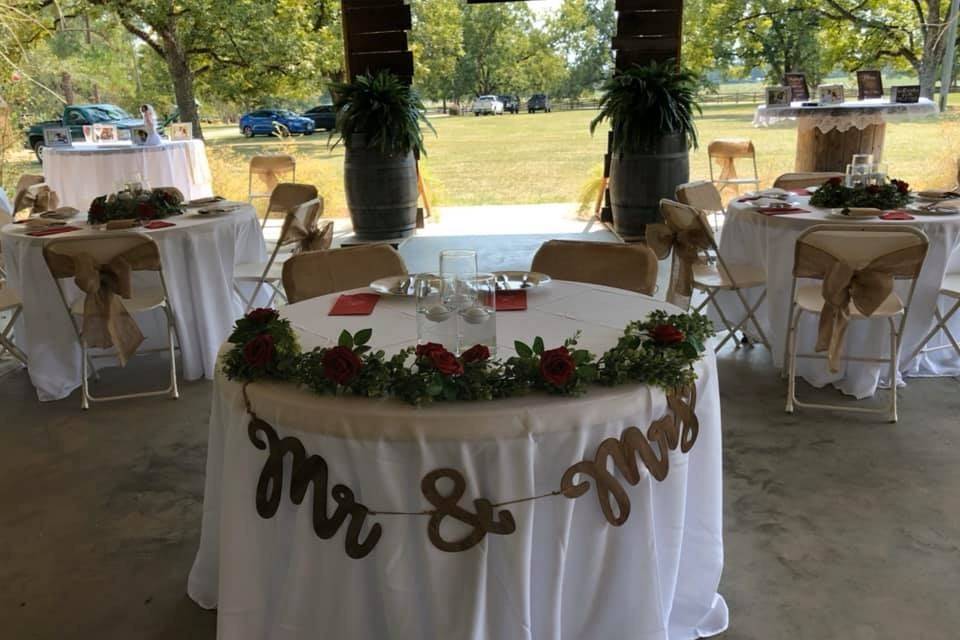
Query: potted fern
point(378, 120)
point(650, 109)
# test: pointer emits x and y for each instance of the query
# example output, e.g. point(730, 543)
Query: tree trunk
point(182, 76)
point(933, 47)
point(96, 93)
point(66, 87)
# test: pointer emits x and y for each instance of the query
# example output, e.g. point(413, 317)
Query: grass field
point(543, 158)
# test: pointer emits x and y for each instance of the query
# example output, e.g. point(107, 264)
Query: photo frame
point(778, 96)
point(57, 137)
point(798, 86)
point(180, 131)
point(105, 133)
point(830, 94)
point(905, 94)
point(869, 84)
point(88, 133)
point(139, 136)
point(123, 135)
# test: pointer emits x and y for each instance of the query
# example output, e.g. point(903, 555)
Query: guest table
point(565, 572)
point(198, 255)
point(84, 171)
point(753, 238)
point(828, 136)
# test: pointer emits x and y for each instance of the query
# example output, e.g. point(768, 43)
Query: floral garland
point(128, 205)
point(833, 194)
point(660, 350)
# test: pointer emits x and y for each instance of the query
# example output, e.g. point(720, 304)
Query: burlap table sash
point(106, 322)
point(39, 198)
point(866, 288)
point(685, 244)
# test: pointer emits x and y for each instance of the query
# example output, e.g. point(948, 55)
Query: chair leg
point(171, 332)
point(85, 391)
point(751, 315)
point(791, 363)
point(894, 351)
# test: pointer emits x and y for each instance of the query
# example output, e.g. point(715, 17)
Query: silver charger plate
point(931, 210)
point(508, 280)
point(394, 285)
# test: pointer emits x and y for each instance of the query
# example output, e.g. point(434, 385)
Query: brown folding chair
point(726, 152)
point(317, 273)
point(269, 170)
point(632, 267)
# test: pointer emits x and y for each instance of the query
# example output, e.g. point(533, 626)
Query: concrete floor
point(836, 527)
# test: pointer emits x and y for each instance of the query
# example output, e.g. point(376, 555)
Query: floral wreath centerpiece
point(135, 203)
point(834, 194)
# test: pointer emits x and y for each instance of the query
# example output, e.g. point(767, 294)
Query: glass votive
point(436, 321)
point(478, 321)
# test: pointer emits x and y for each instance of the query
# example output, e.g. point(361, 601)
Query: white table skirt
point(565, 573)
point(83, 172)
point(844, 116)
point(768, 241)
point(198, 256)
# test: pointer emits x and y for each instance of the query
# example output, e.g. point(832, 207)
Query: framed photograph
point(908, 94)
point(869, 85)
point(138, 136)
point(88, 133)
point(123, 135)
point(105, 133)
point(778, 96)
point(180, 130)
point(830, 93)
point(57, 137)
point(798, 86)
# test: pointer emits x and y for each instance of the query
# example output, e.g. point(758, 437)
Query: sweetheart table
point(198, 255)
point(561, 572)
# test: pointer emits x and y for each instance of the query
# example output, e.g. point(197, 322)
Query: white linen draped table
point(85, 171)
point(565, 573)
point(5, 205)
point(768, 241)
point(198, 255)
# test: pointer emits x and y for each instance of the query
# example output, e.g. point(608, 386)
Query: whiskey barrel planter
point(381, 192)
point(639, 180)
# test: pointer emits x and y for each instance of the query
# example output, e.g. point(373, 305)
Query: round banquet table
point(565, 572)
point(768, 241)
point(198, 255)
point(828, 136)
point(85, 171)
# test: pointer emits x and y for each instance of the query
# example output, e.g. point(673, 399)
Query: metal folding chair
point(269, 170)
point(726, 152)
point(950, 288)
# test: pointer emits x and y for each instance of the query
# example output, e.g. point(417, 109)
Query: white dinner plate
point(520, 279)
point(861, 214)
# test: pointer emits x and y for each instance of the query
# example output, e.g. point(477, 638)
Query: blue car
point(275, 122)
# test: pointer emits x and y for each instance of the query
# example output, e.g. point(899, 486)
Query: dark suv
point(323, 117)
point(538, 102)
point(510, 103)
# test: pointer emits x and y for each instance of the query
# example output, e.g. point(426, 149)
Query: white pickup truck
point(487, 105)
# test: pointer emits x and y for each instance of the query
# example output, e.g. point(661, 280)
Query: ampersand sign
point(482, 521)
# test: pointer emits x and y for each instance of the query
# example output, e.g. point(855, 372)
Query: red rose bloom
point(666, 334)
point(262, 315)
point(258, 352)
point(835, 181)
point(145, 210)
point(873, 189)
point(902, 187)
point(556, 366)
point(445, 362)
point(341, 365)
point(424, 350)
point(476, 353)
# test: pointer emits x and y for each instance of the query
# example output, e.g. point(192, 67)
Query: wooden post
point(832, 151)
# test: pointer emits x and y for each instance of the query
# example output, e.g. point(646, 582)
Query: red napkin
point(52, 231)
point(158, 224)
point(515, 300)
point(775, 211)
point(354, 304)
point(897, 215)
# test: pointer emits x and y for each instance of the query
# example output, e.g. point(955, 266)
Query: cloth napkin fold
point(515, 300)
point(897, 215)
point(158, 224)
point(126, 223)
point(776, 211)
point(52, 231)
point(354, 304)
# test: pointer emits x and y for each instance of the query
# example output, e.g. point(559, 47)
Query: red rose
point(258, 352)
point(262, 315)
point(145, 210)
point(556, 366)
point(445, 362)
point(873, 189)
point(476, 353)
point(341, 365)
point(424, 350)
point(666, 334)
point(835, 181)
point(902, 187)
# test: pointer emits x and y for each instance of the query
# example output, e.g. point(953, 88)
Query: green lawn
point(549, 157)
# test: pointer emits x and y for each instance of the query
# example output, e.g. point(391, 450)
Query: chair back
point(700, 194)
point(287, 196)
point(26, 181)
point(268, 168)
point(632, 267)
point(300, 222)
point(317, 273)
point(731, 148)
point(686, 236)
point(900, 249)
point(725, 152)
point(39, 197)
point(802, 180)
point(103, 248)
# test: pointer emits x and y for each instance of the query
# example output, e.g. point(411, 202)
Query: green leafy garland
point(660, 350)
point(833, 194)
point(127, 205)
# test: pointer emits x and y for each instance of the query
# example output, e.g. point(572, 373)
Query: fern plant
point(384, 110)
point(645, 103)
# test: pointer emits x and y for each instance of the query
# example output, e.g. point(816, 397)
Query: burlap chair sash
point(106, 322)
point(314, 239)
point(39, 198)
point(685, 245)
point(866, 288)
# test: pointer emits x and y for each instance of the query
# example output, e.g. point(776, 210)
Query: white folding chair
point(286, 197)
point(726, 152)
point(268, 170)
point(713, 277)
point(10, 303)
point(103, 248)
point(895, 251)
point(302, 220)
point(949, 288)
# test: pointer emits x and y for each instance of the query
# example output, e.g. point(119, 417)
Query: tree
point(437, 45)
point(581, 31)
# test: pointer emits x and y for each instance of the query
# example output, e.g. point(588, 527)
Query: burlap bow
point(685, 244)
point(106, 322)
point(39, 198)
point(866, 288)
point(315, 239)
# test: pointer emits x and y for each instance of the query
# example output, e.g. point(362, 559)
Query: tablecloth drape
point(844, 116)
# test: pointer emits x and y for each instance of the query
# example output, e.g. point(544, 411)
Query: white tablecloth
point(844, 116)
point(5, 205)
point(198, 256)
point(84, 171)
point(752, 238)
point(565, 573)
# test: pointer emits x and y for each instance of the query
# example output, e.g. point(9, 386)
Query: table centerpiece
point(834, 194)
point(134, 203)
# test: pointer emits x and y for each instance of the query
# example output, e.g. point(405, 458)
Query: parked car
point(538, 102)
point(270, 121)
point(323, 116)
point(487, 105)
point(74, 117)
point(510, 103)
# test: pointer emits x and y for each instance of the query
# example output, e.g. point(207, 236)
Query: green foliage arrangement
point(660, 351)
point(129, 205)
point(833, 194)
point(645, 103)
point(383, 110)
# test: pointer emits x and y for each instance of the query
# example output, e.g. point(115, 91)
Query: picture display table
point(85, 171)
point(198, 255)
point(768, 241)
point(564, 572)
point(829, 136)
